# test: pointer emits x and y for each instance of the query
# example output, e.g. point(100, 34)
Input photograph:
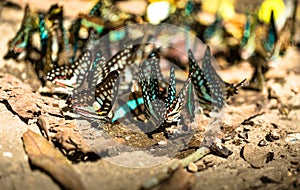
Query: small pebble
point(247, 128)
point(243, 136)
point(262, 143)
point(272, 136)
point(192, 167)
point(226, 138)
point(294, 162)
point(255, 156)
point(7, 154)
point(293, 138)
point(162, 143)
point(270, 157)
point(23, 75)
point(55, 104)
point(274, 125)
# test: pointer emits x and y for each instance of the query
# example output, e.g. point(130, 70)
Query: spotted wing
point(98, 105)
point(209, 99)
point(154, 110)
point(173, 114)
point(222, 87)
point(171, 88)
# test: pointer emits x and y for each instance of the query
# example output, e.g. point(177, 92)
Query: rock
point(293, 138)
point(22, 100)
point(218, 149)
point(67, 134)
point(255, 156)
point(192, 167)
point(262, 142)
point(26, 105)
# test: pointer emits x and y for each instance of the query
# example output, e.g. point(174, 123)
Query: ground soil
point(262, 129)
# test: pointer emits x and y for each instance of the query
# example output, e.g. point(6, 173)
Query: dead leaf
point(44, 156)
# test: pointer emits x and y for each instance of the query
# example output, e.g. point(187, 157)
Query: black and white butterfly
point(82, 74)
point(97, 104)
point(90, 68)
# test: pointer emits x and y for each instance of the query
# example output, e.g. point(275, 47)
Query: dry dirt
point(262, 129)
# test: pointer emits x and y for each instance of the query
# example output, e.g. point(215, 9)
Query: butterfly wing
point(171, 88)
point(190, 104)
point(271, 35)
point(173, 114)
point(72, 76)
point(98, 105)
point(214, 81)
point(106, 93)
point(206, 95)
point(222, 87)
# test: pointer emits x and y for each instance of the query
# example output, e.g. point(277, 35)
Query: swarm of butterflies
point(152, 100)
point(260, 35)
point(67, 59)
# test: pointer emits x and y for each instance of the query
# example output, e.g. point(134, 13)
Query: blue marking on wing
point(127, 108)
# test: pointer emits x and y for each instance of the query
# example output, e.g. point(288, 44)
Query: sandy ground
point(275, 164)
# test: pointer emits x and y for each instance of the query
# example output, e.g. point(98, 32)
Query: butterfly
point(53, 41)
point(249, 40)
point(21, 45)
point(214, 31)
point(208, 91)
point(44, 34)
point(106, 10)
point(98, 105)
point(154, 109)
point(271, 39)
point(91, 67)
point(58, 41)
point(133, 105)
point(171, 115)
point(227, 89)
point(160, 113)
point(173, 112)
point(210, 87)
point(80, 74)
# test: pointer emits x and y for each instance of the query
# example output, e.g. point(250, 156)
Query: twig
point(166, 171)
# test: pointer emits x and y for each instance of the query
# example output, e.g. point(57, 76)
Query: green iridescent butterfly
point(21, 45)
point(160, 113)
point(209, 86)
